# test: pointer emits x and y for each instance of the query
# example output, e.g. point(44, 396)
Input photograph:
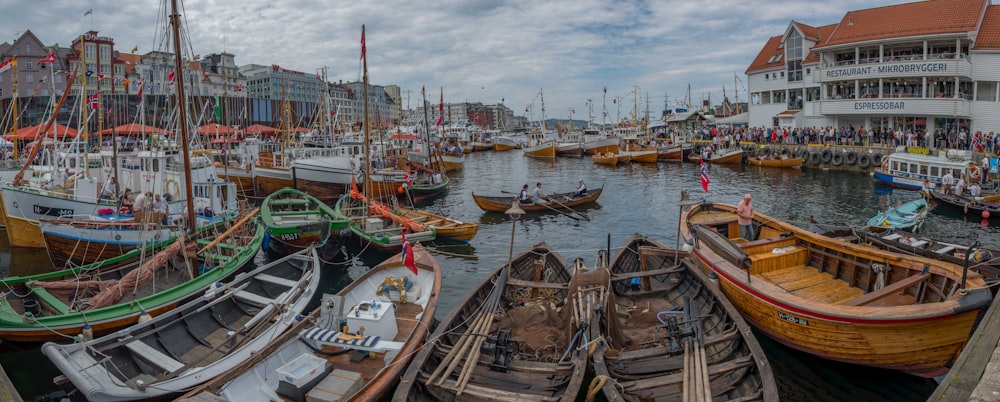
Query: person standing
point(109, 190)
point(946, 182)
point(744, 217)
point(160, 207)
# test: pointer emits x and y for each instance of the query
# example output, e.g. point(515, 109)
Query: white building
point(926, 65)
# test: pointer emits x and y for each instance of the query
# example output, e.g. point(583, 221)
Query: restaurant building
point(929, 65)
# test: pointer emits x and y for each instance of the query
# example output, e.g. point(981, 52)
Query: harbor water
point(637, 199)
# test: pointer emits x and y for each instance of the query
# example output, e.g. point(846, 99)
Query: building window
point(794, 68)
point(90, 50)
point(105, 53)
point(986, 91)
point(29, 64)
point(29, 77)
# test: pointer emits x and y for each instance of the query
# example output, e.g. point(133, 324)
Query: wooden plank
point(153, 356)
point(789, 273)
point(253, 298)
point(971, 365)
point(276, 280)
point(890, 289)
point(806, 281)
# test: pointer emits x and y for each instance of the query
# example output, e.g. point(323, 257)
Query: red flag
point(441, 109)
point(170, 78)
point(100, 76)
point(48, 59)
point(9, 64)
point(139, 85)
point(407, 255)
point(704, 176)
point(362, 42)
point(94, 101)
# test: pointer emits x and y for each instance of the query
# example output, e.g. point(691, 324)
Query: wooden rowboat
point(295, 220)
point(444, 226)
point(662, 310)
point(515, 309)
point(968, 205)
point(838, 300)
point(782, 163)
point(354, 347)
point(608, 159)
point(195, 342)
point(502, 203)
point(909, 216)
point(731, 156)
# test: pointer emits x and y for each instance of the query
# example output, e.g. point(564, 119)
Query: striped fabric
point(333, 337)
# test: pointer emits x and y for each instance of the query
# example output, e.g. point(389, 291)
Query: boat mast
point(427, 130)
point(183, 129)
point(364, 115)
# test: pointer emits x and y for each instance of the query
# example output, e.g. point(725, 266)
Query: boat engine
point(500, 344)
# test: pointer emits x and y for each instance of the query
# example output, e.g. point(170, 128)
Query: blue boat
point(909, 216)
point(907, 168)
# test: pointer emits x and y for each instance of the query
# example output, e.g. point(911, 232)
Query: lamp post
point(515, 213)
point(684, 202)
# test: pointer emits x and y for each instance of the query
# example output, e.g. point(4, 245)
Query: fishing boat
point(295, 220)
point(673, 151)
point(355, 346)
point(605, 159)
point(516, 309)
point(986, 207)
point(195, 342)
point(781, 162)
point(671, 333)
point(908, 167)
point(908, 216)
point(560, 200)
point(634, 152)
point(503, 143)
point(595, 143)
point(837, 300)
point(540, 147)
point(731, 156)
point(984, 261)
point(443, 226)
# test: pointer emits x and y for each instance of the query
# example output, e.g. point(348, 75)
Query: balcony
point(951, 107)
point(893, 68)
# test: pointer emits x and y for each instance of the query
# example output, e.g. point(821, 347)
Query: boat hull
point(602, 146)
point(501, 204)
point(777, 163)
point(611, 160)
point(546, 150)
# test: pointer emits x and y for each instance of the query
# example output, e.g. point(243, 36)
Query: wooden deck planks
point(805, 281)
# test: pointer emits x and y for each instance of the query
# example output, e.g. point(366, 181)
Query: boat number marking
point(51, 211)
point(792, 319)
point(289, 236)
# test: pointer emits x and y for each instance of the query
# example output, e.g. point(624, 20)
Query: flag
point(407, 255)
point(422, 88)
point(170, 78)
point(94, 101)
point(318, 78)
point(9, 64)
point(138, 84)
point(218, 109)
point(975, 142)
point(362, 43)
point(238, 88)
point(89, 12)
point(704, 176)
point(48, 59)
point(441, 109)
point(135, 49)
point(89, 73)
point(100, 76)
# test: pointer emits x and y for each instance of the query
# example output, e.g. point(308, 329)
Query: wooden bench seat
point(50, 300)
point(766, 245)
point(154, 357)
point(768, 261)
point(888, 290)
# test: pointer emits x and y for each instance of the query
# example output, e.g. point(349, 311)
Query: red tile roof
point(822, 32)
point(810, 32)
point(765, 58)
point(929, 17)
point(130, 61)
point(989, 31)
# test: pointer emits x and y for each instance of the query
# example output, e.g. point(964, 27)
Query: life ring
point(173, 188)
point(850, 158)
point(864, 162)
point(827, 156)
point(837, 159)
point(814, 158)
point(974, 173)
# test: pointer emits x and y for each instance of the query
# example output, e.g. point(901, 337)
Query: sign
point(52, 211)
point(792, 319)
point(994, 168)
point(894, 68)
point(880, 105)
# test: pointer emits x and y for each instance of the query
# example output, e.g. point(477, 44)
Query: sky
point(645, 53)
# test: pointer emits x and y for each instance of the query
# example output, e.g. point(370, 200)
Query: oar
point(546, 206)
point(584, 216)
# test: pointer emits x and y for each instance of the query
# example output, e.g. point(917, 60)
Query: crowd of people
point(849, 135)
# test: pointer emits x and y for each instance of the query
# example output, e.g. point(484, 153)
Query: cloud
point(476, 50)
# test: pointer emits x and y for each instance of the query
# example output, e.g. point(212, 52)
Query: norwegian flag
point(407, 255)
point(138, 84)
point(704, 176)
point(976, 143)
point(170, 78)
point(94, 101)
point(48, 59)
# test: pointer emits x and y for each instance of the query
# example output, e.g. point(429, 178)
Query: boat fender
point(815, 158)
point(864, 162)
point(837, 159)
point(804, 154)
point(267, 241)
point(879, 160)
point(827, 156)
point(850, 158)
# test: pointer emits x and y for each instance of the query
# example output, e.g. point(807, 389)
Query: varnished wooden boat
point(195, 342)
point(674, 151)
point(295, 220)
point(837, 300)
point(731, 156)
point(443, 226)
point(969, 205)
point(501, 204)
point(662, 310)
point(376, 226)
point(515, 308)
point(781, 163)
point(986, 263)
point(605, 159)
point(395, 323)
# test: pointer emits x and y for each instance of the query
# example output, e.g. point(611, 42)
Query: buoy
point(144, 316)
point(88, 333)
point(986, 214)
point(399, 190)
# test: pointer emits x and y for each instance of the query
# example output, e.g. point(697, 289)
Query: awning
point(788, 113)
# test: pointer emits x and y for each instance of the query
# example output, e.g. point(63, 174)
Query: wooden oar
point(546, 206)
point(584, 216)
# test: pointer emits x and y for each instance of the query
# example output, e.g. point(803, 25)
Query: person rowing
point(581, 189)
point(539, 196)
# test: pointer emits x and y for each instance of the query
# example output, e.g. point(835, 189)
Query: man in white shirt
point(946, 182)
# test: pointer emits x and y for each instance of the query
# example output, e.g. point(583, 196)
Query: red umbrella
point(133, 129)
point(260, 129)
point(31, 133)
point(213, 129)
